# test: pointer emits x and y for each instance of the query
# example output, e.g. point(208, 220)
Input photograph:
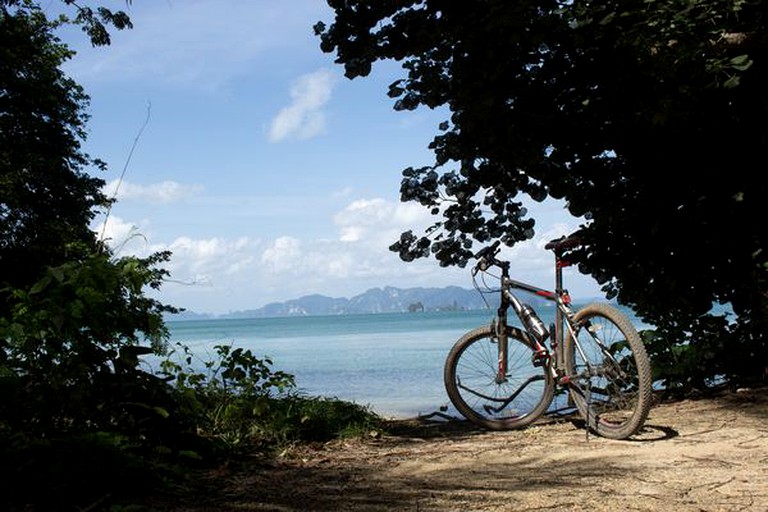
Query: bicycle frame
point(563, 315)
point(563, 312)
point(504, 376)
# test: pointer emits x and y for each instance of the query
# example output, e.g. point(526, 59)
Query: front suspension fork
point(501, 371)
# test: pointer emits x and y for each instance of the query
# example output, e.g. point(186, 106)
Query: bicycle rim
point(470, 380)
point(610, 372)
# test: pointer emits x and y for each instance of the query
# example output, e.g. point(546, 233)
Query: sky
point(235, 143)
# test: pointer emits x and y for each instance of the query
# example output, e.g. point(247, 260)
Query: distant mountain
point(375, 300)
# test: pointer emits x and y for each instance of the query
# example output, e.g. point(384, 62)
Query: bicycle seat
point(564, 243)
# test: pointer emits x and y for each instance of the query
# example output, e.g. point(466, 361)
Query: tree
point(72, 315)
point(48, 198)
point(649, 118)
point(77, 411)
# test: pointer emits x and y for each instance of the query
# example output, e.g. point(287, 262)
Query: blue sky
point(267, 173)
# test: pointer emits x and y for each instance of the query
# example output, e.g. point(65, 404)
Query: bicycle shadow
point(648, 433)
point(431, 426)
point(439, 425)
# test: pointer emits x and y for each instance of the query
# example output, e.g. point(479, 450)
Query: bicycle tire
point(470, 380)
point(616, 397)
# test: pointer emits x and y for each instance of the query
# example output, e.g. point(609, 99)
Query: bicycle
point(503, 376)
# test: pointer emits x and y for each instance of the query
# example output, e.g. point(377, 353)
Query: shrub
point(241, 403)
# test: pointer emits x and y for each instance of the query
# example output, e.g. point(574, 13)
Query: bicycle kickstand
point(588, 396)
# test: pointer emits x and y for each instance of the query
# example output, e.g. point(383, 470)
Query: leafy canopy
point(649, 118)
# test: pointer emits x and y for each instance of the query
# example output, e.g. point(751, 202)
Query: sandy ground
point(693, 455)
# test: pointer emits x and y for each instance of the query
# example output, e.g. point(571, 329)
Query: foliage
point(230, 397)
point(79, 401)
point(94, 21)
point(319, 419)
point(241, 403)
point(649, 118)
point(79, 420)
point(47, 199)
point(77, 472)
point(70, 347)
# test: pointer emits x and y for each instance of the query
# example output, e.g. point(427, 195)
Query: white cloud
point(287, 267)
point(164, 192)
point(362, 215)
point(304, 118)
point(225, 274)
point(207, 273)
point(282, 255)
point(379, 219)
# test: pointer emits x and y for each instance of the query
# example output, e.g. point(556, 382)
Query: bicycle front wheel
point(610, 375)
point(472, 383)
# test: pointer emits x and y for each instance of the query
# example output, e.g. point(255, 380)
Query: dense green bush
point(70, 346)
point(318, 419)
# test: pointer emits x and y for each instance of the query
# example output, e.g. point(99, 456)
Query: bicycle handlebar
point(486, 257)
point(485, 251)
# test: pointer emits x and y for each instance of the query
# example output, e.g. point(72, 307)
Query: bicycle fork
point(502, 338)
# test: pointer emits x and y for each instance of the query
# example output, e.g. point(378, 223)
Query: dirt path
point(695, 455)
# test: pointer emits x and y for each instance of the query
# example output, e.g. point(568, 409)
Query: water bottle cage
point(541, 358)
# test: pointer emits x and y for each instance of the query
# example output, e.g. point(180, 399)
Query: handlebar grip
point(485, 251)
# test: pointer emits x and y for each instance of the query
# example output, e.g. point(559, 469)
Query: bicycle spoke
point(472, 383)
point(609, 372)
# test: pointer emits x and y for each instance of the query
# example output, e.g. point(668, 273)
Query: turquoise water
point(391, 362)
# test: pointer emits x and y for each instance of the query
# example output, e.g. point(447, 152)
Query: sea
point(391, 363)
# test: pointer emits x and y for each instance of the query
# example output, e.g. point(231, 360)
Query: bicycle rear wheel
point(470, 377)
point(610, 375)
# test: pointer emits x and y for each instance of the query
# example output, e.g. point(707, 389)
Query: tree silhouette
point(649, 119)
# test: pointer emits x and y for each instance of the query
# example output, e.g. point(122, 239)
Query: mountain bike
point(504, 376)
